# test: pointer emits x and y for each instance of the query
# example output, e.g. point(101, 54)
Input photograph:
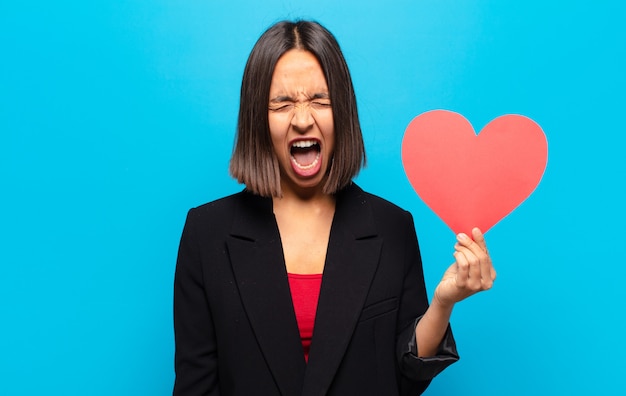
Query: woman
point(304, 284)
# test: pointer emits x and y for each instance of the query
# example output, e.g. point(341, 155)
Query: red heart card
point(472, 180)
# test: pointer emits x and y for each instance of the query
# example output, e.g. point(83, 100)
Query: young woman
point(304, 284)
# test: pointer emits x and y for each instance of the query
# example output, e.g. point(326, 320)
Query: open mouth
point(305, 154)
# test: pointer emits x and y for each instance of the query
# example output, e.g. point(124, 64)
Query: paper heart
point(472, 180)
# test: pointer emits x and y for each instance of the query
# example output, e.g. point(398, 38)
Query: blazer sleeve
point(414, 304)
point(195, 358)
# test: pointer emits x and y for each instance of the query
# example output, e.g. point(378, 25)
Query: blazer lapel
point(258, 264)
point(352, 259)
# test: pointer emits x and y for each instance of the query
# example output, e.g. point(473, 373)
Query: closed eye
point(282, 107)
point(320, 104)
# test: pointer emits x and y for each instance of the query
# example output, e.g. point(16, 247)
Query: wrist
point(441, 305)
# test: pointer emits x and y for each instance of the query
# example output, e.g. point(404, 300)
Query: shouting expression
point(301, 122)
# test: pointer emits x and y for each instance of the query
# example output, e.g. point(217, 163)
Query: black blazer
point(235, 327)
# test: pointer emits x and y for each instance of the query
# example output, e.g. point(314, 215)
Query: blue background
point(116, 117)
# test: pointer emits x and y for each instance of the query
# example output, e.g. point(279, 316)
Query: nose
point(302, 118)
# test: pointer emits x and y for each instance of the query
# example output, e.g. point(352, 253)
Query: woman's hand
point(471, 273)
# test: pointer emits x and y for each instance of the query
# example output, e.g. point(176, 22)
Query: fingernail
point(462, 237)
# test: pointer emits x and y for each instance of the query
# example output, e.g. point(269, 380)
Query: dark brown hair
point(254, 162)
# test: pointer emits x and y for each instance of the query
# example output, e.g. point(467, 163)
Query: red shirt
point(305, 291)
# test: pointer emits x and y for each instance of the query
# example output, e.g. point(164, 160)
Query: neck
point(302, 192)
point(312, 203)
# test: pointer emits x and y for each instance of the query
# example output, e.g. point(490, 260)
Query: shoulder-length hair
point(253, 161)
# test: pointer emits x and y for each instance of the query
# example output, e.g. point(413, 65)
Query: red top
point(305, 291)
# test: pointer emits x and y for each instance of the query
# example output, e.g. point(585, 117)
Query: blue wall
point(116, 117)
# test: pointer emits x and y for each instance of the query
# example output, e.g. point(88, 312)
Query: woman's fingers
point(481, 272)
point(479, 238)
point(477, 245)
point(462, 269)
point(473, 277)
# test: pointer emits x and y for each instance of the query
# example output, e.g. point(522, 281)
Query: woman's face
point(301, 121)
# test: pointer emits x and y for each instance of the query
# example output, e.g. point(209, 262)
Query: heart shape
point(472, 180)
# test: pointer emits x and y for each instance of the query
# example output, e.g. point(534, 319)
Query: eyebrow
point(285, 98)
point(280, 99)
point(321, 96)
